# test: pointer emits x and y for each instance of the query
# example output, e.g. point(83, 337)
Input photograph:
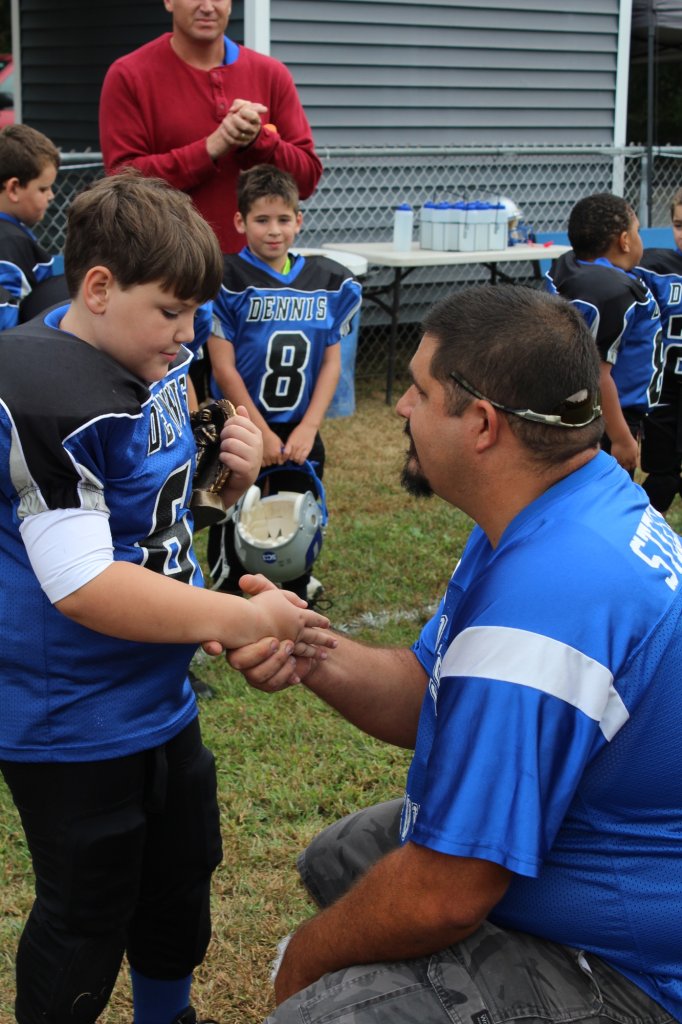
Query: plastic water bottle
point(426, 225)
point(498, 231)
point(467, 228)
point(482, 217)
point(452, 223)
point(440, 214)
point(458, 215)
point(403, 222)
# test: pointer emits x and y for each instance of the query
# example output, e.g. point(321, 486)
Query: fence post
point(618, 173)
point(644, 191)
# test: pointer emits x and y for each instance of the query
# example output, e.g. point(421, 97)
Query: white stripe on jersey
point(529, 659)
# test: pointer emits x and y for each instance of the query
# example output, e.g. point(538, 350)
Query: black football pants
point(662, 446)
point(123, 852)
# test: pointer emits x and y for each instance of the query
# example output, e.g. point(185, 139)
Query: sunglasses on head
point(578, 410)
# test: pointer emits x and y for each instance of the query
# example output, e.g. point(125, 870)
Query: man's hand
point(271, 664)
point(240, 126)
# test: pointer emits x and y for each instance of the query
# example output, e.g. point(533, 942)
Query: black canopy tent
point(656, 37)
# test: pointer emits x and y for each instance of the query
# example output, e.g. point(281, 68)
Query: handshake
point(272, 663)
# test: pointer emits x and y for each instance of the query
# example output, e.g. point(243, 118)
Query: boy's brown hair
point(264, 181)
point(142, 230)
point(25, 153)
point(675, 201)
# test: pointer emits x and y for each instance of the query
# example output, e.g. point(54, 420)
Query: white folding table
point(382, 254)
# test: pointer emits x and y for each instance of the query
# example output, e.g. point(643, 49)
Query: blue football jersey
point(78, 431)
point(661, 270)
point(23, 265)
point(624, 319)
point(281, 324)
point(549, 735)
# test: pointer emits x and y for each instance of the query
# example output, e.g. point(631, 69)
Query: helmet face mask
point(280, 535)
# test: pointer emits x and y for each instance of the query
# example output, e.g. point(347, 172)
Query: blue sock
point(158, 1002)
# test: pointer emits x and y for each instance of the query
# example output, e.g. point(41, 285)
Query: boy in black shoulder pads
point(29, 162)
point(598, 276)
point(102, 607)
point(662, 439)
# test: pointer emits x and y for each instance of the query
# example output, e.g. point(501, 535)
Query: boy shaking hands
point(102, 608)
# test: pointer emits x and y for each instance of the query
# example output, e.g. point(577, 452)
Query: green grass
point(287, 764)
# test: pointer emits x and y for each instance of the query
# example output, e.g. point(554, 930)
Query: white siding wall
point(370, 72)
point(451, 72)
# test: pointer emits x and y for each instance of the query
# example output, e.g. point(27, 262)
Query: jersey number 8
point(284, 381)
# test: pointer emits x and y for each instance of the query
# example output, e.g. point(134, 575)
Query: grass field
point(288, 765)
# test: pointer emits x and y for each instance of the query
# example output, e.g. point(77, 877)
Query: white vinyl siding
point(448, 72)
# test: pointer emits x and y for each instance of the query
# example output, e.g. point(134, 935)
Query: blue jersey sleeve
point(225, 307)
point(203, 326)
point(9, 310)
point(347, 303)
point(425, 646)
point(13, 279)
point(508, 751)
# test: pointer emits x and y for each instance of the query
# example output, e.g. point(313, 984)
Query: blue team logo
point(408, 817)
point(434, 682)
point(269, 557)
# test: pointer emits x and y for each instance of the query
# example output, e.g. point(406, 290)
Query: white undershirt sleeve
point(67, 548)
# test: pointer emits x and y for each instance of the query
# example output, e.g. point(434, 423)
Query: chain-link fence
point(359, 189)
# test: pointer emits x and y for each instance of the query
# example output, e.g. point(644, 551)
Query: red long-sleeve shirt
point(156, 112)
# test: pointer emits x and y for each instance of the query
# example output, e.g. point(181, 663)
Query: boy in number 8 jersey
point(283, 316)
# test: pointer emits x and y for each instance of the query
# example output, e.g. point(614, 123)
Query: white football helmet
point(514, 213)
point(280, 535)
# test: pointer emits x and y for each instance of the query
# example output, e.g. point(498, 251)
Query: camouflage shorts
point(494, 976)
point(345, 850)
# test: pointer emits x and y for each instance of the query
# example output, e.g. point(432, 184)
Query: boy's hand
point(283, 617)
point(299, 443)
point(277, 663)
point(272, 449)
point(626, 452)
point(241, 448)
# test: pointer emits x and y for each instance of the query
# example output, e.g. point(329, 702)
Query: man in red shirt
point(176, 108)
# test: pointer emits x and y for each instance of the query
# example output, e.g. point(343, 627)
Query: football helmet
point(514, 213)
point(281, 534)
point(517, 229)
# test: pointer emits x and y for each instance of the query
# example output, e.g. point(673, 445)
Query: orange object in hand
point(272, 127)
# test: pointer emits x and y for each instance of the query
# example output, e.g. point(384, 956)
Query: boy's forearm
point(616, 427)
point(327, 381)
point(133, 603)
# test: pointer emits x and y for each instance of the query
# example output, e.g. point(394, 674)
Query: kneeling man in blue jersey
point(533, 869)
